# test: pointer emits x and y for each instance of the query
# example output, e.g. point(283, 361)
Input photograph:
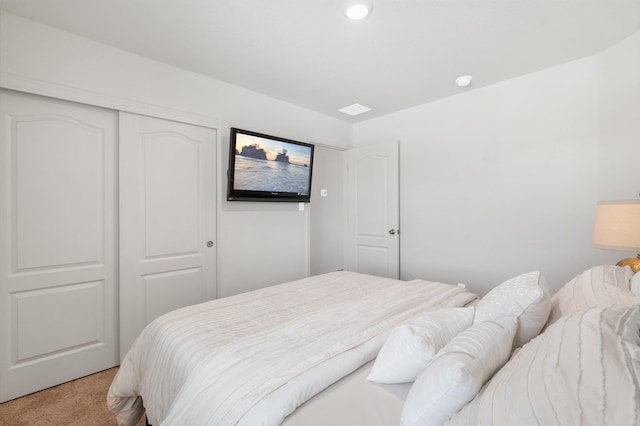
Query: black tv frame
point(234, 194)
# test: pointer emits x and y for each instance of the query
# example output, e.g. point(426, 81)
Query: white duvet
point(253, 358)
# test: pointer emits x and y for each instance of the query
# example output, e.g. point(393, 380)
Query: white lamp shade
point(617, 225)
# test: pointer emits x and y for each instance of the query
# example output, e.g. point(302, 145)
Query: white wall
point(620, 120)
point(494, 182)
point(503, 179)
point(258, 243)
point(327, 213)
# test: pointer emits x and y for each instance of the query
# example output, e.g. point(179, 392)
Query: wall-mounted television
point(268, 168)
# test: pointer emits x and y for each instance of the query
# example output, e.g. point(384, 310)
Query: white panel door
point(372, 240)
point(57, 245)
point(167, 219)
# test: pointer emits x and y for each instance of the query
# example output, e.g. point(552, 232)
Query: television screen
point(268, 168)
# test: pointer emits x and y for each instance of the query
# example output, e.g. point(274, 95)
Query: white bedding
point(583, 370)
point(259, 355)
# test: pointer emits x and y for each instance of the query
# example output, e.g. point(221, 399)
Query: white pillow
point(458, 371)
point(582, 370)
point(604, 285)
point(634, 286)
point(412, 344)
point(525, 297)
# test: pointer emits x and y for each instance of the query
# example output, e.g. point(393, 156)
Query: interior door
point(372, 236)
point(57, 245)
point(167, 219)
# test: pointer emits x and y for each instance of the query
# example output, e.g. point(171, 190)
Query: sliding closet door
point(57, 228)
point(167, 219)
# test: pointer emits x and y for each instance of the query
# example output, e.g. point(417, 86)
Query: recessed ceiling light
point(355, 109)
point(357, 11)
point(464, 80)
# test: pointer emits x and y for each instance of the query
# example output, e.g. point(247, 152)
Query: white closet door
point(167, 220)
point(57, 217)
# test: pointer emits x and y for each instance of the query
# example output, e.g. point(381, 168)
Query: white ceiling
point(305, 52)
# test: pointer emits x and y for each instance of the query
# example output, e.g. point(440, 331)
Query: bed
point(347, 349)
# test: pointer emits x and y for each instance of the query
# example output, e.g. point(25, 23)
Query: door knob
point(392, 232)
point(209, 243)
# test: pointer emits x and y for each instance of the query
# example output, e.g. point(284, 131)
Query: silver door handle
point(209, 243)
point(392, 232)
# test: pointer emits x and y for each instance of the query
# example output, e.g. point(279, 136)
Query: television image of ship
point(267, 165)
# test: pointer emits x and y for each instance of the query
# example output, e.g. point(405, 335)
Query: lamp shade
point(617, 225)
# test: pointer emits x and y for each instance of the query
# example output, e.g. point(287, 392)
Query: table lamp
point(617, 227)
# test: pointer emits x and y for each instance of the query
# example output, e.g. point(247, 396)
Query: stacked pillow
point(451, 353)
point(458, 371)
point(604, 285)
point(526, 297)
point(582, 370)
point(413, 344)
point(450, 358)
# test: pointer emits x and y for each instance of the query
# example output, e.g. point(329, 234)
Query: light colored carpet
point(81, 402)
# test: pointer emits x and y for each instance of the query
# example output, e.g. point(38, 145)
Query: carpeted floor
point(81, 402)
